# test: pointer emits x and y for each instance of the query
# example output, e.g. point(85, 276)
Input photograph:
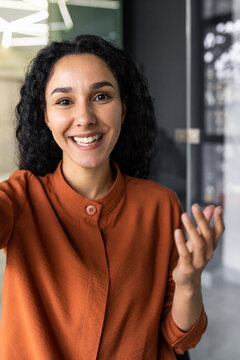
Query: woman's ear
point(44, 110)
point(46, 118)
point(124, 111)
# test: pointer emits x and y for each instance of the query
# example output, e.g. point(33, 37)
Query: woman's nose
point(84, 115)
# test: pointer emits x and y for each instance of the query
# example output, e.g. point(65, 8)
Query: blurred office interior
point(190, 53)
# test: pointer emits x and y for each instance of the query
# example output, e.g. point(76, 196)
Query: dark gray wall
point(154, 35)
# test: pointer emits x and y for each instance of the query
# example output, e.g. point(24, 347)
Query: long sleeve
point(12, 199)
point(179, 340)
point(6, 218)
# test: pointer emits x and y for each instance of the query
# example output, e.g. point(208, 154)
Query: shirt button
point(91, 210)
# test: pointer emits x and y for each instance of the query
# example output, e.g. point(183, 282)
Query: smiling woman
point(89, 242)
point(43, 157)
point(84, 112)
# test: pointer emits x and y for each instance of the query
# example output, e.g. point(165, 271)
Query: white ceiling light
point(104, 4)
point(7, 35)
point(65, 14)
point(29, 41)
point(33, 5)
point(32, 25)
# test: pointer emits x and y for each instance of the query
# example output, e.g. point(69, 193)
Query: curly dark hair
point(38, 151)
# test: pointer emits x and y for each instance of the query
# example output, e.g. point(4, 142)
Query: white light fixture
point(65, 14)
point(29, 41)
point(104, 4)
point(7, 35)
point(28, 25)
point(31, 19)
point(36, 32)
point(32, 5)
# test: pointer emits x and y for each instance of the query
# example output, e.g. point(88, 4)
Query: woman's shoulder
point(156, 198)
point(149, 188)
point(17, 182)
point(18, 176)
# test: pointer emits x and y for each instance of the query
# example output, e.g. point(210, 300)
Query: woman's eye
point(64, 102)
point(102, 97)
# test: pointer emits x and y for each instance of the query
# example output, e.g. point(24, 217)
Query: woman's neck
point(90, 183)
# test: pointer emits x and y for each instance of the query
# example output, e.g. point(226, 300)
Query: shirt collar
point(76, 204)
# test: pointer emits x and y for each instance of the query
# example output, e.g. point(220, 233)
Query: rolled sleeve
point(181, 341)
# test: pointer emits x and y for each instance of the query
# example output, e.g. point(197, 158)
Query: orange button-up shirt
point(89, 279)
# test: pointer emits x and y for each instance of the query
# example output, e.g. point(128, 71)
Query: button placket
point(98, 288)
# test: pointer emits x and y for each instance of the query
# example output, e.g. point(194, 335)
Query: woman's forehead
point(83, 64)
point(81, 68)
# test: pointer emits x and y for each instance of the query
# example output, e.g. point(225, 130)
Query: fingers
point(208, 212)
point(198, 249)
point(183, 251)
point(218, 226)
point(204, 239)
point(206, 230)
point(197, 242)
point(210, 234)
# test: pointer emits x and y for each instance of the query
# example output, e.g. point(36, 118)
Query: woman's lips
point(88, 146)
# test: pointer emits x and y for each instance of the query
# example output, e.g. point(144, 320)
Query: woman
point(93, 271)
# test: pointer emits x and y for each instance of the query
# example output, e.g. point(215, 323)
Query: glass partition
point(220, 162)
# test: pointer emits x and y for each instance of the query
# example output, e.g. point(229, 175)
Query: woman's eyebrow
point(69, 89)
point(62, 90)
point(100, 84)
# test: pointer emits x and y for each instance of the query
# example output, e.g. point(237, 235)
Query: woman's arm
point(194, 254)
point(6, 219)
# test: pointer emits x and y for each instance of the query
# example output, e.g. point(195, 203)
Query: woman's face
point(84, 110)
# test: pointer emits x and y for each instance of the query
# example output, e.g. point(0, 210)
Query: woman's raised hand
point(196, 252)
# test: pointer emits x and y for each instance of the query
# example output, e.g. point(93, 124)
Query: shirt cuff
point(186, 340)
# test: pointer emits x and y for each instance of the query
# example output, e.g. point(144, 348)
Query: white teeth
point(86, 140)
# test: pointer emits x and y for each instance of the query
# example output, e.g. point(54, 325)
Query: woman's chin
point(87, 163)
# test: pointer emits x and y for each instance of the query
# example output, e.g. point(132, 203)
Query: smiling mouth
point(86, 141)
